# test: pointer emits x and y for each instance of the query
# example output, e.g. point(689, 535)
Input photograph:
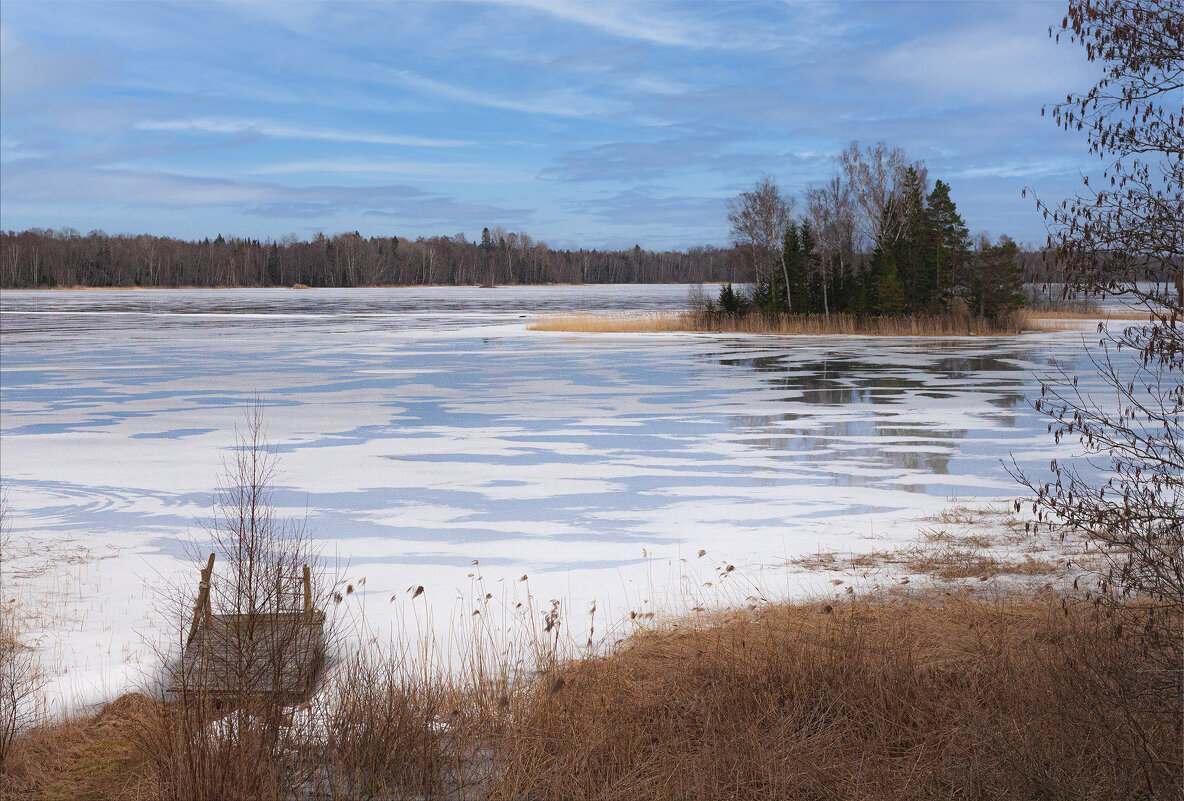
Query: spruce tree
point(911, 249)
point(951, 243)
point(801, 277)
point(791, 265)
point(888, 291)
point(998, 281)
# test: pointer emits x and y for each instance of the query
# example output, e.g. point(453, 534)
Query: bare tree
point(833, 212)
point(21, 676)
point(876, 176)
point(1126, 238)
point(253, 645)
point(758, 218)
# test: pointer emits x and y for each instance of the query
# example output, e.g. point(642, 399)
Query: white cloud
point(565, 105)
point(984, 63)
point(625, 20)
point(280, 131)
point(28, 70)
point(1021, 169)
point(435, 170)
point(637, 21)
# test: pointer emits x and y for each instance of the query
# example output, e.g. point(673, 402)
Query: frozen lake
point(421, 429)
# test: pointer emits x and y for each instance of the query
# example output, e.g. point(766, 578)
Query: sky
point(585, 124)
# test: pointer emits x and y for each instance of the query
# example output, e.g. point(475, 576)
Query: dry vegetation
point(964, 545)
point(1092, 315)
point(793, 324)
point(935, 695)
point(932, 697)
point(949, 689)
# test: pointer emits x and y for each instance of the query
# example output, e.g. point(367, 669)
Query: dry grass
point(795, 324)
point(934, 695)
point(965, 544)
point(939, 693)
point(954, 562)
point(958, 558)
point(93, 757)
point(1077, 320)
point(941, 696)
point(1091, 315)
point(588, 323)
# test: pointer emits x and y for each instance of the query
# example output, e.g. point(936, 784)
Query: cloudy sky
point(582, 123)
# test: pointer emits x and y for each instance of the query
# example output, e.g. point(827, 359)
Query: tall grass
point(942, 693)
point(933, 695)
point(789, 324)
point(908, 697)
point(21, 673)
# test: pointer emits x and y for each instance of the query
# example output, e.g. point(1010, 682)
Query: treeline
point(64, 258)
point(873, 241)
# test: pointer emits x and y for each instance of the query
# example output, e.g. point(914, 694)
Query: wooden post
point(307, 592)
point(202, 607)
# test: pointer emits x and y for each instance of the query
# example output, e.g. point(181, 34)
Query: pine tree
point(888, 291)
point(802, 278)
point(999, 280)
point(950, 245)
point(730, 301)
point(487, 254)
point(911, 249)
point(882, 291)
point(791, 257)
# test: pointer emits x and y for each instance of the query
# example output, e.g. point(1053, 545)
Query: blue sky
point(585, 124)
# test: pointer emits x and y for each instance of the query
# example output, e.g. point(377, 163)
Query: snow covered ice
point(420, 429)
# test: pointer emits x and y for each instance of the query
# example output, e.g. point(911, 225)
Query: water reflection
point(863, 421)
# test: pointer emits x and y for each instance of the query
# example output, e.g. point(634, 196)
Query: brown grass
point(794, 324)
point(966, 544)
point(93, 757)
point(1091, 315)
point(957, 689)
point(925, 696)
point(942, 696)
point(960, 562)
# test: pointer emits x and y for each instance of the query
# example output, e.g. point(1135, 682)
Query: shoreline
point(1024, 320)
point(188, 287)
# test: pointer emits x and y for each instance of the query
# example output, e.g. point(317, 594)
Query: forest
point(44, 258)
point(66, 258)
point(875, 240)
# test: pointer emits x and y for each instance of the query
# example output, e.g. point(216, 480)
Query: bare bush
point(252, 650)
point(21, 676)
point(1123, 236)
point(386, 728)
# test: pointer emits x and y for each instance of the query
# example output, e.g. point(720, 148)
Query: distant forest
point(66, 258)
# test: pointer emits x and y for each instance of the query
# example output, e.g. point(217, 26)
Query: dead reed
point(938, 696)
point(789, 324)
point(90, 758)
point(930, 695)
point(21, 673)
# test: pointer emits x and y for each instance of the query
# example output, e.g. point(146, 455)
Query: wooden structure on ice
point(233, 658)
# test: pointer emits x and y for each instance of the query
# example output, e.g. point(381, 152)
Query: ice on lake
point(421, 429)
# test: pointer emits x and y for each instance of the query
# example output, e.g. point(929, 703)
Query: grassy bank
point(941, 694)
point(923, 697)
point(790, 324)
point(817, 324)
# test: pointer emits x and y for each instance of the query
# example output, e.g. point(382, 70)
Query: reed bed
point(789, 324)
point(930, 695)
point(939, 696)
